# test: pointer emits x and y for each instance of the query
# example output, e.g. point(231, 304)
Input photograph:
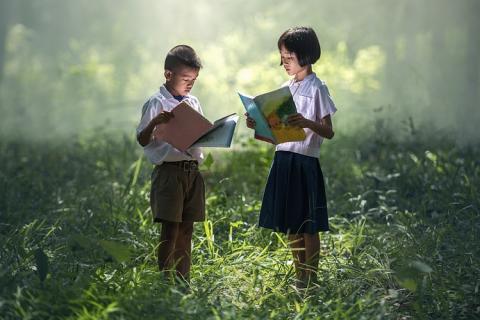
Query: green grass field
point(78, 242)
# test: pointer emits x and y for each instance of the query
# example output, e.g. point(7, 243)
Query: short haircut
point(182, 55)
point(303, 42)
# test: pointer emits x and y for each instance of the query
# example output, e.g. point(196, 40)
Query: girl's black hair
point(182, 55)
point(304, 42)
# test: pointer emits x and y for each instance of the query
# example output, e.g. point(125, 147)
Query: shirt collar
point(306, 79)
point(167, 95)
point(305, 84)
point(164, 92)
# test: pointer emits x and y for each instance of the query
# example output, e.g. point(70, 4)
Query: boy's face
point(181, 81)
point(290, 61)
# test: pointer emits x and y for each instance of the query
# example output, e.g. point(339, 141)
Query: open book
point(270, 112)
point(188, 128)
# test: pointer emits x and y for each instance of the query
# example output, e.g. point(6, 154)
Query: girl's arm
point(323, 127)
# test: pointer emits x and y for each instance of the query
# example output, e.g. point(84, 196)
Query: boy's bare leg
point(167, 245)
point(183, 249)
point(297, 244)
point(312, 250)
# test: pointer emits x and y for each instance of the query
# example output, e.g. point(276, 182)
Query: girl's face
point(180, 82)
point(290, 61)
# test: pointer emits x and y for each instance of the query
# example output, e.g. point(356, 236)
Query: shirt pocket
point(305, 106)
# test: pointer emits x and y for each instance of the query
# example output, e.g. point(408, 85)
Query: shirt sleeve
point(196, 105)
point(150, 109)
point(324, 102)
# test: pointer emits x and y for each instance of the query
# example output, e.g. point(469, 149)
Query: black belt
point(186, 165)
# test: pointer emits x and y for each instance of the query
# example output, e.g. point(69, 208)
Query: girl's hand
point(298, 120)
point(250, 122)
point(163, 117)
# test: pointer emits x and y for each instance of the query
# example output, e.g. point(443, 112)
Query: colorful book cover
point(188, 128)
point(270, 112)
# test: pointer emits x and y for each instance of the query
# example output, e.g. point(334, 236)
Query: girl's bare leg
point(312, 251)
point(297, 244)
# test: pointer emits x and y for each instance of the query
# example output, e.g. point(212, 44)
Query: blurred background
point(72, 68)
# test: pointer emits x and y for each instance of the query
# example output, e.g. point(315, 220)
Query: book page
point(262, 129)
point(220, 135)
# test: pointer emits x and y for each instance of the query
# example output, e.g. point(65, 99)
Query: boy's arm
point(145, 135)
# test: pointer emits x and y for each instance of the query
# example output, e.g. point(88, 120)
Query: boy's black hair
point(182, 55)
point(304, 42)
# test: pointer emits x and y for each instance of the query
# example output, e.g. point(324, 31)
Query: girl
point(294, 201)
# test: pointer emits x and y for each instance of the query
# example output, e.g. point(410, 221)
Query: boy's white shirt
point(313, 101)
point(159, 151)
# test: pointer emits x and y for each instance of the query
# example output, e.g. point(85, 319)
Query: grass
point(78, 241)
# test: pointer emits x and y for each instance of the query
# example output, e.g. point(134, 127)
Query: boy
point(177, 195)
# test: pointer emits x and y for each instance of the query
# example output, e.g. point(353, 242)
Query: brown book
point(188, 128)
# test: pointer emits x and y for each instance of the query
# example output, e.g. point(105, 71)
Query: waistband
point(186, 165)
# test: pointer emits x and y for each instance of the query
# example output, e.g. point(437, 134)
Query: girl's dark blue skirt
point(294, 200)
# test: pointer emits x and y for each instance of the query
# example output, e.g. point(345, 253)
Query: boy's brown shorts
point(178, 192)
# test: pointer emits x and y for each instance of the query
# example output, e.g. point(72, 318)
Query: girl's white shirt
point(313, 101)
point(159, 151)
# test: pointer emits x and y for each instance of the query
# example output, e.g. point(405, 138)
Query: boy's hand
point(298, 120)
point(163, 117)
point(250, 122)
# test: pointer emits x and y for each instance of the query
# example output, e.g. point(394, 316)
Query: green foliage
point(120, 252)
point(78, 239)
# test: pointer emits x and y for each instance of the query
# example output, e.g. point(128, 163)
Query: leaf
point(207, 163)
point(118, 251)
point(421, 266)
point(431, 156)
point(80, 242)
point(41, 261)
point(138, 165)
point(409, 284)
